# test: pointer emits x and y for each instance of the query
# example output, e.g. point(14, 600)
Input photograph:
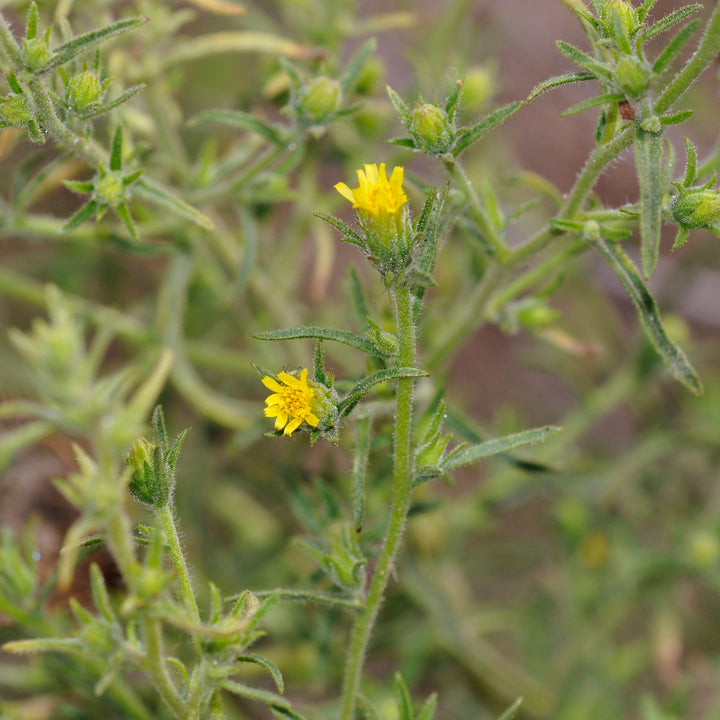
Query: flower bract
point(376, 194)
point(291, 403)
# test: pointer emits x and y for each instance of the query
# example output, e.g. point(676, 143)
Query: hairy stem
point(402, 487)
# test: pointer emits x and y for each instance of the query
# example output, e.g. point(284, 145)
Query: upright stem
point(402, 487)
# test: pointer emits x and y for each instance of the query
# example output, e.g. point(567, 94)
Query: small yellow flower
point(291, 403)
point(376, 194)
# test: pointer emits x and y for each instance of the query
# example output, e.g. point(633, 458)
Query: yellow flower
point(376, 194)
point(291, 403)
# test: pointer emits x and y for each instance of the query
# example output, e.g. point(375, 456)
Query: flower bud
point(109, 188)
point(431, 129)
point(15, 110)
point(632, 76)
point(478, 88)
point(143, 482)
point(591, 230)
point(696, 208)
point(36, 52)
point(322, 98)
point(624, 12)
point(83, 91)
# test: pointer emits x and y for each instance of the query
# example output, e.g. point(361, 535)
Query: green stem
point(599, 159)
point(402, 487)
point(476, 209)
point(187, 594)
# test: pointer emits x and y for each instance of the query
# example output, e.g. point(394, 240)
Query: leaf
point(400, 107)
point(558, 81)
point(429, 708)
point(233, 42)
point(324, 333)
point(674, 46)
point(349, 235)
point(671, 354)
point(691, 167)
point(158, 195)
point(17, 439)
point(114, 103)
point(363, 387)
point(357, 63)
point(583, 60)
point(512, 710)
point(428, 229)
point(269, 665)
point(252, 693)
point(359, 471)
point(82, 43)
point(669, 20)
point(645, 9)
point(591, 103)
point(402, 698)
point(471, 135)
point(405, 142)
point(677, 118)
point(239, 119)
point(649, 165)
point(472, 454)
point(312, 595)
point(83, 214)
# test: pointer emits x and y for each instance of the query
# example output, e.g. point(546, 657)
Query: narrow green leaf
point(453, 100)
point(644, 9)
point(31, 22)
point(669, 20)
point(512, 710)
point(649, 165)
point(674, 46)
point(349, 235)
point(359, 471)
point(585, 16)
point(591, 103)
point(429, 708)
point(677, 118)
point(252, 693)
point(218, 43)
point(405, 142)
point(17, 439)
point(13, 83)
point(116, 151)
point(691, 167)
point(428, 229)
point(82, 43)
point(400, 107)
point(83, 214)
point(100, 594)
point(123, 212)
point(671, 354)
point(78, 186)
point(558, 81)
point(285, 713)
point(324, 333)
point(242, 120)
point(39, 645)
point(269, 665)
point(124, 97)
point(357, 63)
point(363, 387)
point(583, 60)
point(485, 449)
point(468, 136)
point(293, 595)
point(158, 195)
point(402, 698)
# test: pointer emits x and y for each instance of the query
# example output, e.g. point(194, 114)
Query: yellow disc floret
point(376, 194)
point(290, 404)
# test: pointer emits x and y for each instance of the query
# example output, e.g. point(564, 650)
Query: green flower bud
point(696, 207)
point(478, 88)
point(632, 76)
point(385, 340)
point(622, 10)
point(321, 99)
point(591, 230)
point(535, 313)
point(15, 110)
point(109, 188)
point(36, 52)
point(431, 129)
point(144, 485)
point(703, 549)
point(83, 91)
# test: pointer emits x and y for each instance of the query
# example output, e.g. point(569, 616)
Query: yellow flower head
point(291, 403)
point(376, 194)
